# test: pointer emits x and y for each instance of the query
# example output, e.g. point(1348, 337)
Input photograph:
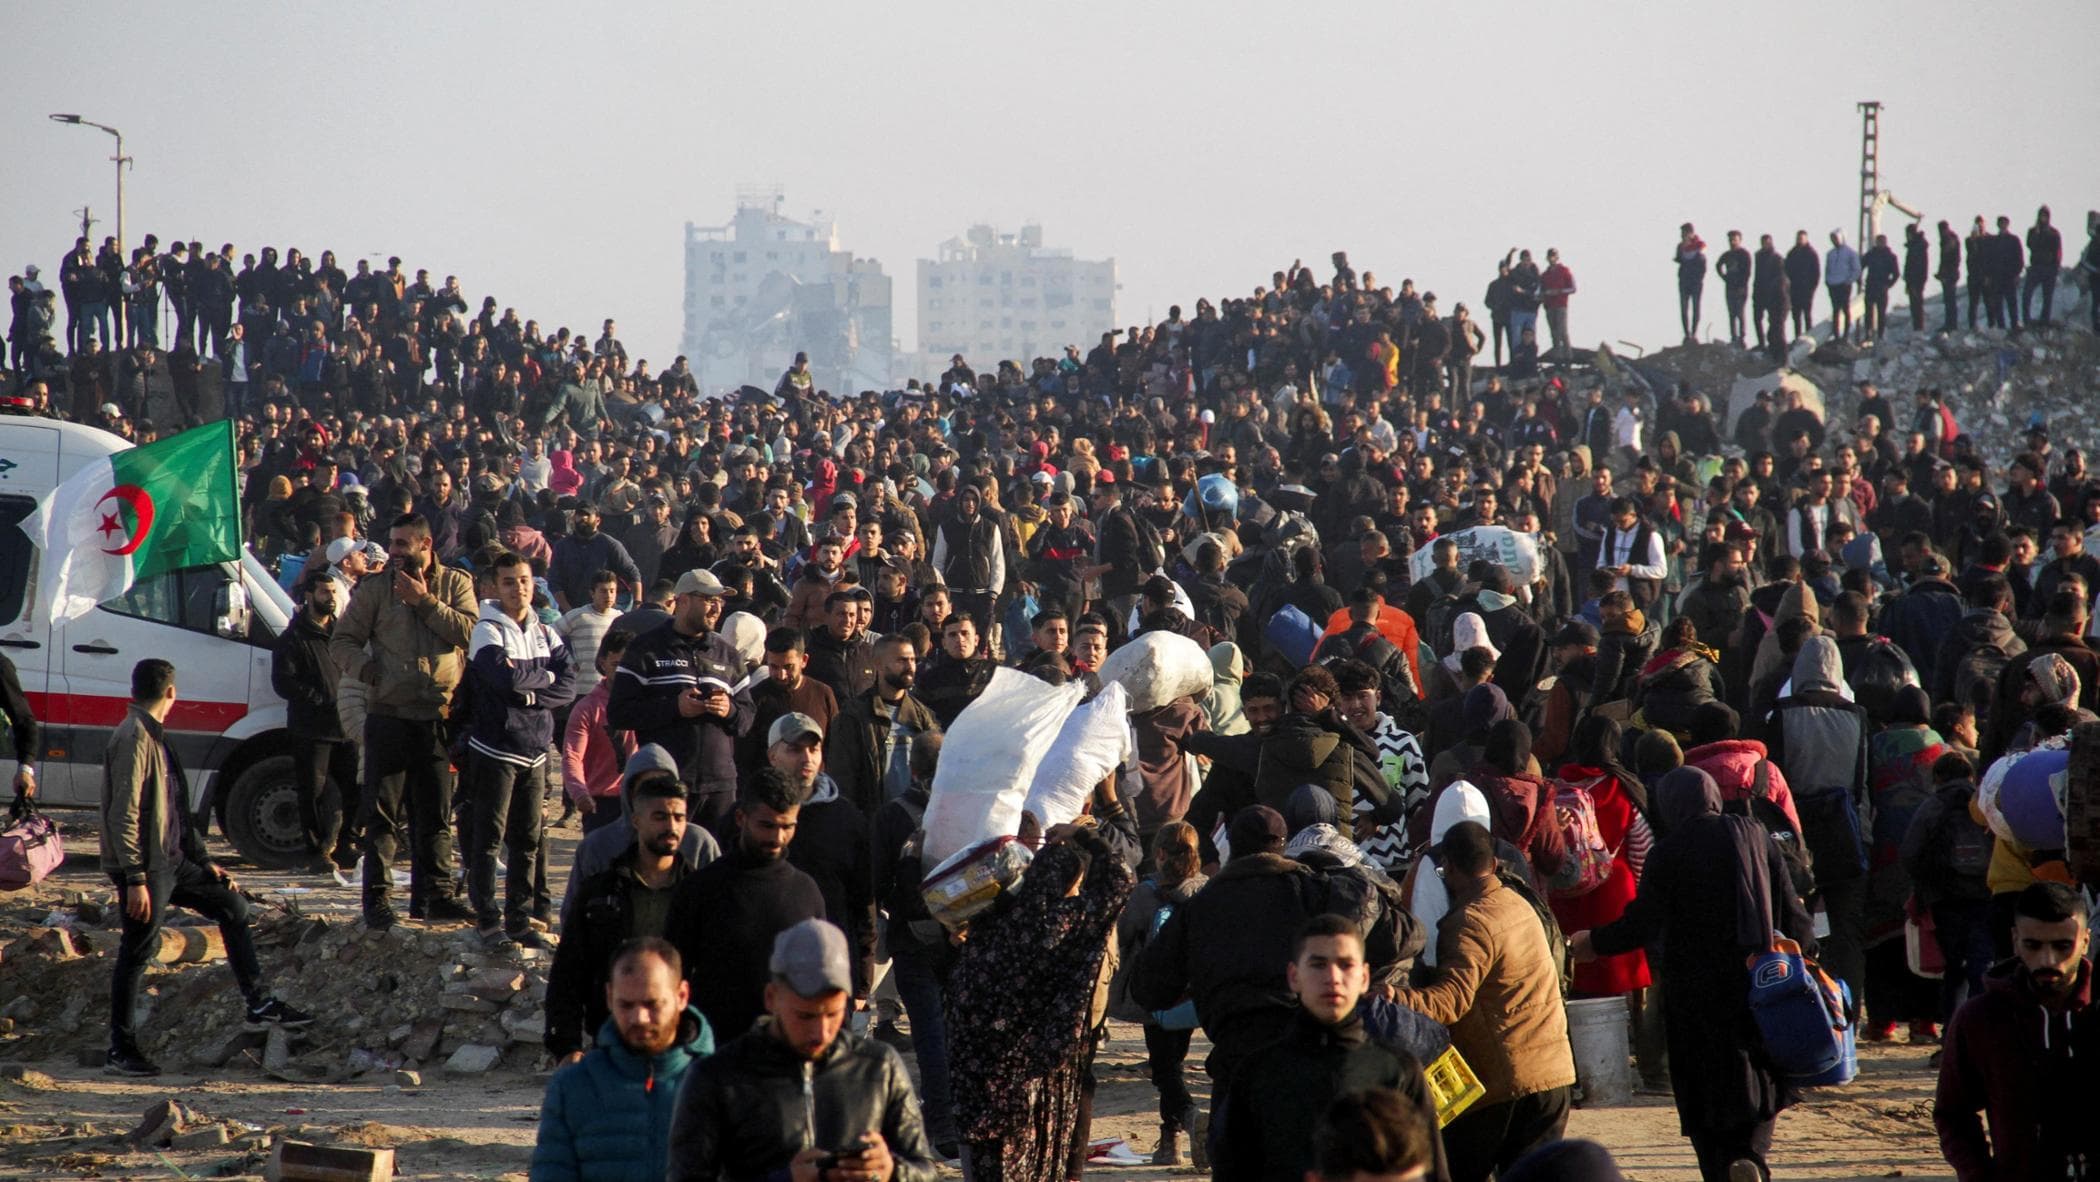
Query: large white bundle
point(989, 760)
point(1089, 747)
point(1157, 668)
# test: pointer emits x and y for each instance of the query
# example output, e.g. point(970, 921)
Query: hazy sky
point(551, 154)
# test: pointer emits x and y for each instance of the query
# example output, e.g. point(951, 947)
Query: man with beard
point(304, 676)
point(650, 538)
point(404, 638)
point(674, 688)
point(2014, 1053)
point(1235, 759)
point(868, 749)
point(832, 841)
point(608, 1114)
point(582, 554)
point(820, 578)
point(800, 1097)
point(607, 911)
point(769, 596)
point(724, 917)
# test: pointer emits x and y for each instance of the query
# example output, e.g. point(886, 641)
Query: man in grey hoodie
point(600, 847)
point(1820, 737)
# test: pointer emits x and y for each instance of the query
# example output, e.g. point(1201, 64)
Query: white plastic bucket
point(1598, 1035)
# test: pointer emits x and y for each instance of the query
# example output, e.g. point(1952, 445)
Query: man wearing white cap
point(674, 688)
point(799, 1095)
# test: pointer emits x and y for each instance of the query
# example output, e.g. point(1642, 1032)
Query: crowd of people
point(1745, 680)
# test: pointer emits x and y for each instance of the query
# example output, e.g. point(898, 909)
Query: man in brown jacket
point(404, 637)
point(1497, 990)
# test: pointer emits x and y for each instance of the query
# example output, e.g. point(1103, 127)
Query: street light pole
point(122, 161)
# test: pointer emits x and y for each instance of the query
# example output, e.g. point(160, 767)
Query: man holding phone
point(673, 689)
point(799, 1094)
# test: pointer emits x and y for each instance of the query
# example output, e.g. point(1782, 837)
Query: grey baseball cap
point(792, 726)
point(812, 958)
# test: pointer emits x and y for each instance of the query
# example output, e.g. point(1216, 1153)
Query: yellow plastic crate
point(1453, 1085)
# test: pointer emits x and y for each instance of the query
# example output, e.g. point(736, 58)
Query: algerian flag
point(135, 514)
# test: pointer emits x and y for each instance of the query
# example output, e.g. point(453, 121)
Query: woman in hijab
point(1521, 798)
point(1899, 780)
point(1019, 1003)
point(1713, 890)
point(1620, 802)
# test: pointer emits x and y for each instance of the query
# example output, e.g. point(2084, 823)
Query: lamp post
point(121, 161)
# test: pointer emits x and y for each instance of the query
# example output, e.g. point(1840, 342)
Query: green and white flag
point(135, 514)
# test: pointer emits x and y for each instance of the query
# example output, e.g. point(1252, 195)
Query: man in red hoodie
point(2026, 1054)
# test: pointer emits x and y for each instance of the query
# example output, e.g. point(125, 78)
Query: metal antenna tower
point(1869, 169)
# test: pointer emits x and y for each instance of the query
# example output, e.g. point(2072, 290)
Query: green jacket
point(146, 829)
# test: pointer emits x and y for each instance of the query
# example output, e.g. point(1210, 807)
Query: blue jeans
point(920, 987)
point(1520, 320)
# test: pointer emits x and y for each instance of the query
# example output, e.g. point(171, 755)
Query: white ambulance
point(218, 625)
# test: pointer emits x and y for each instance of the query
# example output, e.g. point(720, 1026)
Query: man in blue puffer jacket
point(608, 1117)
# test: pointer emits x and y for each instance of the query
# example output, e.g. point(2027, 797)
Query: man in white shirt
point(1626, 428)
point(1632, 553)
point(1808, 522)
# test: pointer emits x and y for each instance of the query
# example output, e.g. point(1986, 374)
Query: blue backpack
point(1018, 626)
point(1292, 634)
point(1803, 1016)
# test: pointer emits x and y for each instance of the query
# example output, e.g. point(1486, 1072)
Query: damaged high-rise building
point(765, 287)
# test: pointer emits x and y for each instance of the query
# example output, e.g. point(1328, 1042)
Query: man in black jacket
point(1768, 297)
point(1880, 270)
point(1917, 268)
point(831, 840)
point(302, 673)
point(2008, 260)
point(630, 899)
point(1734, 269)
point(1803, 270)
point(673, 688)
point(1265, 1122)
point(1949, 275)
point(800, 1090)
point(724, 918)
point(867, 749)
point(956, 674)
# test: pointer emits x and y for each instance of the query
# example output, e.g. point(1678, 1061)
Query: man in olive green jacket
point(404, 637)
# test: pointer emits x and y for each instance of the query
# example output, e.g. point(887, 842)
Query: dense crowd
point(1522, 673)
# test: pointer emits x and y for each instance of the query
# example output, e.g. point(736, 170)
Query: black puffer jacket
point(745, 1111)
point(302, 673)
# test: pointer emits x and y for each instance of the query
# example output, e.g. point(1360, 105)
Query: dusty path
point(60, 1120)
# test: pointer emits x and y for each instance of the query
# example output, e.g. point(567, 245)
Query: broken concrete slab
point(277, 1050)
point(300, 1161)
point(163, 1119)
point(228, 1047)
point(208, 1137)
point(474, 1059)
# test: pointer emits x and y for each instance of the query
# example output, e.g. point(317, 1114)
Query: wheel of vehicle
point(262, 815)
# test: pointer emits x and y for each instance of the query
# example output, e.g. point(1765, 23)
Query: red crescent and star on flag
point(112, 530)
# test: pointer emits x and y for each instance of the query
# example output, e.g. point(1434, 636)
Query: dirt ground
point(59, 1119)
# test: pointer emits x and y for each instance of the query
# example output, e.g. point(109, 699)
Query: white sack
point(989, 759)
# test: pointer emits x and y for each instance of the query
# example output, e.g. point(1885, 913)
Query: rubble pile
point(387, 1004)
point(1996, 383)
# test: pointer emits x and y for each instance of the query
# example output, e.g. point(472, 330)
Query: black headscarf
point(1688, 802)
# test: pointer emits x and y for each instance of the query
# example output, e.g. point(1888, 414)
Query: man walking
point(2014, 1053)
point(607, 1115)
point(416, 620)
point(1495, 988)
point(521, 675)
point(674, 689)
point(800, 1097)
point(155, 856)
point(1264, 1129)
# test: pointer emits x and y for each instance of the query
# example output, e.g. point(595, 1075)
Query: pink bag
point(30, 848)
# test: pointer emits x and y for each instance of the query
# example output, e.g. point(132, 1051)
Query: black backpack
point(1793, 851)
point(1976, 677)
point(1439, 623)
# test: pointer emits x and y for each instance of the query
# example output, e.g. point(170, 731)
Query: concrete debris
point(163, 1119)
point(408, 998)
point(1995, 383)
point(474, 1059)
point(208, 1137)
point(298, 1161)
